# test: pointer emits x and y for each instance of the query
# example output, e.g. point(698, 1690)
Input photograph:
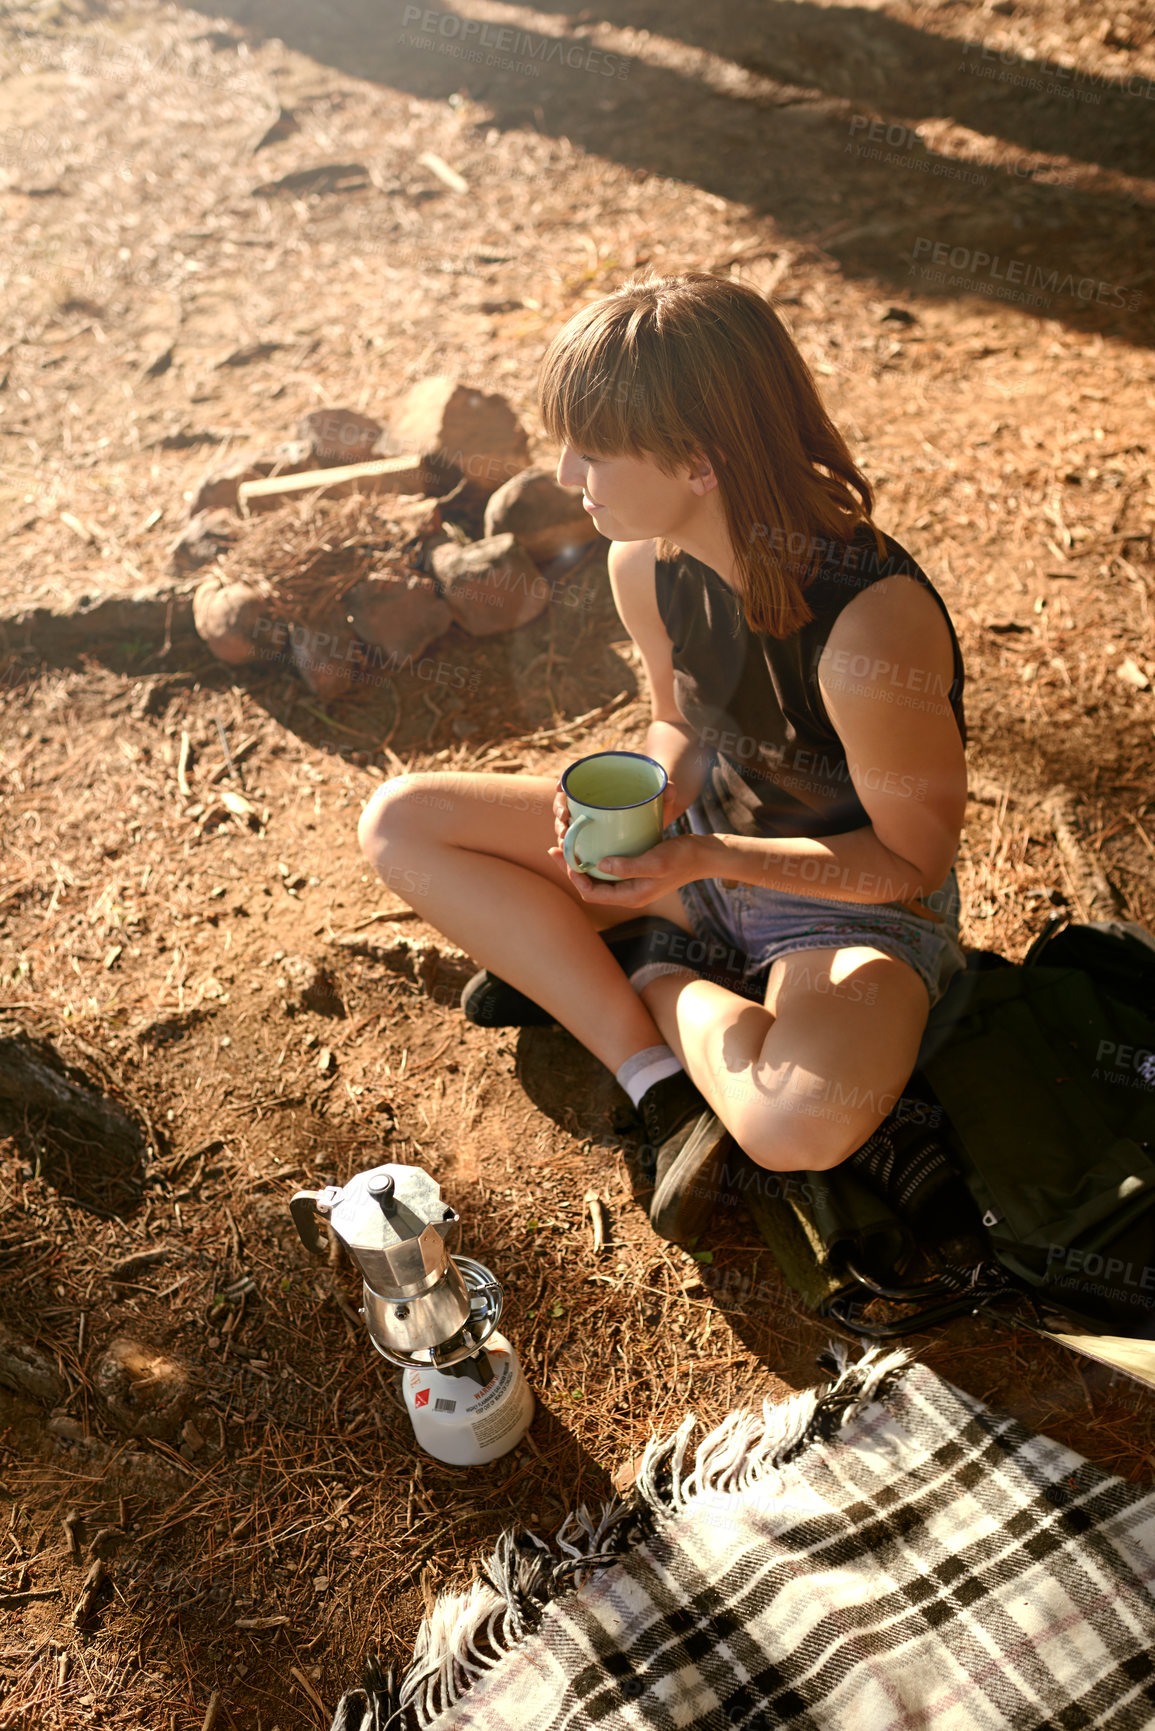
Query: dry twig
point(1096, 894)
point(182, 780)
point(94, 1583)
point(598, 1220)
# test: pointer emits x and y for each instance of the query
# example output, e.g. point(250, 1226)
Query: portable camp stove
point(432, 1314)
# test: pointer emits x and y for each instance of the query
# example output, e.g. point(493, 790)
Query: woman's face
point(630, 498)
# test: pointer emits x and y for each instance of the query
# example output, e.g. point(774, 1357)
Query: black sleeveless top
point(779, 768)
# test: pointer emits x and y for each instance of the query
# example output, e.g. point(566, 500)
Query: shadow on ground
point(770, 106)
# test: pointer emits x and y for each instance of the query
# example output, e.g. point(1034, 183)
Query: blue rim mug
point(615, 806)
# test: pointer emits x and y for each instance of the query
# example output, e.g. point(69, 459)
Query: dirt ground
point(227, 976)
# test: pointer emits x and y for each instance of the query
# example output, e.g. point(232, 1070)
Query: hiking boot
point(636, 943)
point(905, 1164)
point(488, 1002)
point(688, 1145)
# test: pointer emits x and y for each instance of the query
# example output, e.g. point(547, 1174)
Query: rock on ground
point(326, 651)
point(308, 984)
point(547, 519)
point(28, 1371)
point(145, 1392)
point(337, 436)
point(232, 619)
point(491, 585)
point(401, 615)
point(203, 539)
point(455, 428)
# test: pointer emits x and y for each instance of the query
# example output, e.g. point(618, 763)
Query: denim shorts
point(747, 927)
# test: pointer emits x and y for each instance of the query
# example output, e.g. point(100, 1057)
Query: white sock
point(641, 977)
point(645, 1068)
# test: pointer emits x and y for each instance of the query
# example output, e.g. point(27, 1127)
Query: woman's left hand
point(646, 876)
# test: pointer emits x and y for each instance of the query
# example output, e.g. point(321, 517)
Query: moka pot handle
point(303, 1208)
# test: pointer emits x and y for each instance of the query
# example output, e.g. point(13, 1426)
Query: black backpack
point(1037, 1080)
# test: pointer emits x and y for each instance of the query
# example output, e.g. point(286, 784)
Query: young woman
point(806, 684)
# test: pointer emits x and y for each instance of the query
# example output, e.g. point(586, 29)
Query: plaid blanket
point(881, 1553)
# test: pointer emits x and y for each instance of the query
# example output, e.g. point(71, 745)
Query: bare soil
point(226, 978)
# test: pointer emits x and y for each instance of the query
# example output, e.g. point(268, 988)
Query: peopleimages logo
point(470, 35)
point(998, 61)
point(1010, 279)
point(1120, 1279)
point(1115, 1062)
point(904, 154)
point(904, 147)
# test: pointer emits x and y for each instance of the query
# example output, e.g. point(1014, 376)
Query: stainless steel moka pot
point(432, 1314)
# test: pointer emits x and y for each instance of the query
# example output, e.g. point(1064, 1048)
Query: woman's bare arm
point(884, 675)
point(885, 678)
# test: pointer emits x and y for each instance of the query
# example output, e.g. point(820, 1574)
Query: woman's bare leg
point(803, 1080)
point(469, 853)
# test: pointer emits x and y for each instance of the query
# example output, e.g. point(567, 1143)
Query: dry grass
point(303, 559)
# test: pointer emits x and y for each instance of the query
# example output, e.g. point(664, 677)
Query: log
point(35, 1078)
point(384, 475)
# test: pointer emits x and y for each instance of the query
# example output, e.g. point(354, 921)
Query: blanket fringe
point(468, 1633)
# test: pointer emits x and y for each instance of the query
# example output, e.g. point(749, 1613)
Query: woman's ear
point(701, 474)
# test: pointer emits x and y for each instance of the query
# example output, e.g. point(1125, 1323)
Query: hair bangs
point(598, 396)
point(585, 396)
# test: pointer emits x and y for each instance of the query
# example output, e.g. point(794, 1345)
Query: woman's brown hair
point(667, 367)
